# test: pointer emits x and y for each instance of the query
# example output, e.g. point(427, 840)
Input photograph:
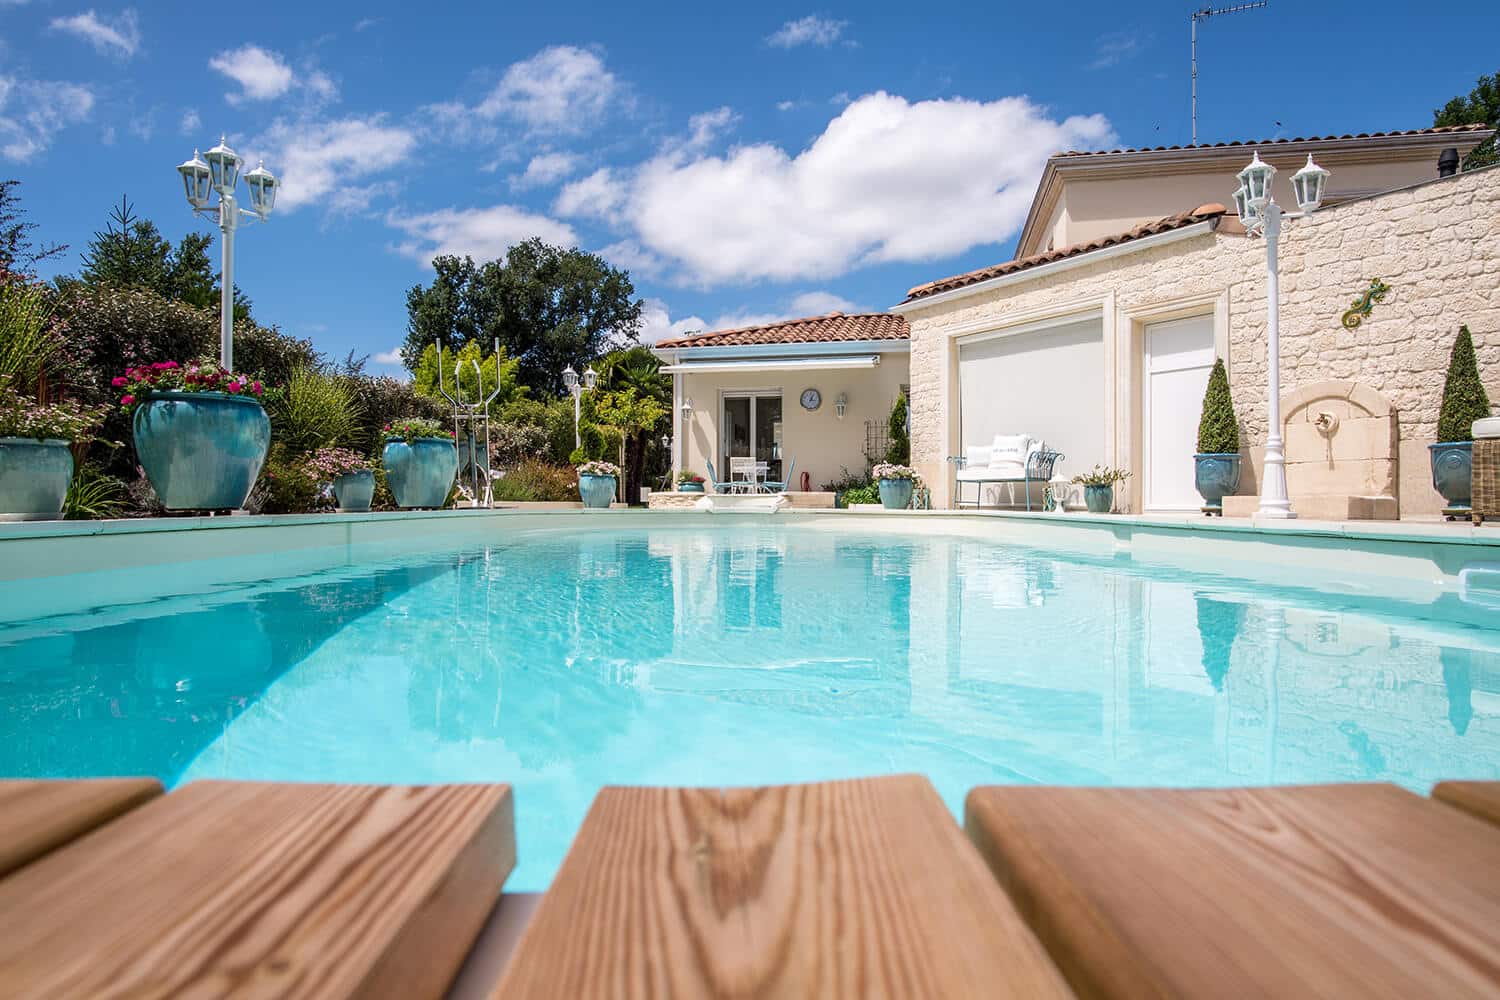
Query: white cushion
point(1009, 449)
point(976, 455)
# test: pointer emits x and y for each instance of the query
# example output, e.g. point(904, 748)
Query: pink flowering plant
point(327, 464)
point(410, 429)
point(890, 470)
point(65, 421)
point(141, 382)
point(597, 468)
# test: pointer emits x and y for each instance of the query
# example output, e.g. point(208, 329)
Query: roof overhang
point(756, 351)
point(816, 363)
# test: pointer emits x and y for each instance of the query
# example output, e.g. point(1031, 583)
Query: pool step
point(40, 816)
point(262, 890)
point(841, 889)
point(1336, 890)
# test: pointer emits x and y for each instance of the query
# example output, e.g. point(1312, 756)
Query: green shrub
point(868, 493)
point(1218, 430)
point(1464, 398)
point(93, 495)
point(285, 486)
point(535, 480)
point(316, 410)
point(899, 452)
point(511, 444)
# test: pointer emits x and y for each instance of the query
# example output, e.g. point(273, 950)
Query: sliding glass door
point(752, 429)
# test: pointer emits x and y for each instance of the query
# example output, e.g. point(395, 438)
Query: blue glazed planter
point(689, 487)
point(355, 490)
point(1453, 472)
point(421, 473)
point(1099, 499)
point(1217, 475)
point(895, 494)
point(201, 450)
point(34, 477)
point(596, 491)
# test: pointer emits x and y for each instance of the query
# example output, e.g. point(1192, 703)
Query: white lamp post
point(1260, 214)
point(219, 170)
point(571, 380)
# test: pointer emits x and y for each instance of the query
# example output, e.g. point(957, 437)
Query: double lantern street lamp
point(1259, 213)
point(570, 379)
point(218, 170)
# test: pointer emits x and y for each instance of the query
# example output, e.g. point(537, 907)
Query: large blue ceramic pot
point(596, 491)
point(201, 450)
point(355, 490)
point(895, 494)
point(1453, 472)
point(34, 477)
point(1217, 475)
point(421, 473)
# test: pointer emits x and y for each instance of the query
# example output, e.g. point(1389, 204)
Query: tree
point(633, 418)
point(18, 255)
point(549, 307)
point(1481, 107)
point(1464, 398)
point(458, 373)
point(899, 452)
point(1218, 430)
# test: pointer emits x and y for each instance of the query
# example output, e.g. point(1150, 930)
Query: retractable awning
point(773, 364)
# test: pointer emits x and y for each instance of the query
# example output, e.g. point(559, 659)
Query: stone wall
point(1437, 245)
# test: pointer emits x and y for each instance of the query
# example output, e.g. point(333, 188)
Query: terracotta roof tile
point(827, 329)
point(1440, 130)
point(1202, 213)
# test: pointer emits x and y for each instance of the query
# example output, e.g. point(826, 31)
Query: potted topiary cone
point(1464, 401)
point(1217, 472)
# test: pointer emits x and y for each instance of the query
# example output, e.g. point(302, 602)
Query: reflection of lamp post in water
point(1275, 633)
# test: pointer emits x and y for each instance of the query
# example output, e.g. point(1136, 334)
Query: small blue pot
point(1453, 472)
point(355, 490)
point(34, 477)
point(1217, 475)
point(895, 494)
point(201, 450)
point(689, 487)
point(1099, 499)
point(596, 491)
point(421, 473)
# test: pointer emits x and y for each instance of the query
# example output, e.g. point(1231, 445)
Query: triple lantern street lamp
point(1259, 213)
point(218, 170)
point(571, 380)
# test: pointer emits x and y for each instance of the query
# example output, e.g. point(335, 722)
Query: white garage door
point(1049, 383)
point(1179, 356)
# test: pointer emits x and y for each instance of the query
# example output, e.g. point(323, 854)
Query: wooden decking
point(844, 889)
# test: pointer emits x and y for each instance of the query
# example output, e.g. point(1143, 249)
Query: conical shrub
point(1218, 431)
point(1464, 399)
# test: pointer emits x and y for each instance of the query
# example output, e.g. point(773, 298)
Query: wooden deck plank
point(251, 889)
point(1346, 890)
point(845, 889)
point(39, 816)
point(1480, 799)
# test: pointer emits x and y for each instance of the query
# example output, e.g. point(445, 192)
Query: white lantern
point(1308, 184)
point(1256, 180)
point(195, 180)
point(570, 378)
point(590, 378)
point(262, 184)
point(1249, 216)
point(225, 165)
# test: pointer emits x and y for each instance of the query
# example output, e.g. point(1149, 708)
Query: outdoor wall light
point(687, 407)
point(839, 404)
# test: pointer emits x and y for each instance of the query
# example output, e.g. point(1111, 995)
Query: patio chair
point(714, 486)
point(779, 486)
point(744, 472)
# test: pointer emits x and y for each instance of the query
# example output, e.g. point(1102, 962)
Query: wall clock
point(811, 399)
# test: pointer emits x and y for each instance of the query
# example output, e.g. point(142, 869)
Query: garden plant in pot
point(351, 475)
point(1099, 487)
point(36, 456)
point(689, 482)
point(596, 483)
point(421, 461)
point(897, 483)
point(1217, 463)
point(200, 432)
point(1464, 402)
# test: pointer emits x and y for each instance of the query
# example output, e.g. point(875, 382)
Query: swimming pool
point(565, 658)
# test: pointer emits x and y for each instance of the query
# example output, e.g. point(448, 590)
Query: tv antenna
point(1203, 15)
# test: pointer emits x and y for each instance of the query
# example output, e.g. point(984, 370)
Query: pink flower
point(234, 387)
point(255, 388)
point(126, 400)
point(160, 365)
point(118, 381)
point(169, 364)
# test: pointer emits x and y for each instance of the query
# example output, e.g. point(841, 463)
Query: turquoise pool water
point(561, 662)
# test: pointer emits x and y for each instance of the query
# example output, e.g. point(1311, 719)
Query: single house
point(1130, 278)
point(816, 392)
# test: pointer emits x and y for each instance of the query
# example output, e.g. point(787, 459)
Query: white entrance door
point(1179, 356)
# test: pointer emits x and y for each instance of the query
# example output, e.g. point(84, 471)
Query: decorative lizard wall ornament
point(1365, 304)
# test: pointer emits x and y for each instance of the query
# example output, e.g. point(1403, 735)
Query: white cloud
point(318, 160)
point(190, 122)
point(544, 169)
point(818, 303)
point(785, 105)
point(704, 128)
point(560, 89)
point(32, 112)
point(657, 323)
point(483, 233)
point(120, 36)
point(364, 24)
point(261, 74)
point(887, 180)
point(809, 30)
point(1114, 48)
point(320, 86)
point(391, 357)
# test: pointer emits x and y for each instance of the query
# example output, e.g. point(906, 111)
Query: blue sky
point(744, 161)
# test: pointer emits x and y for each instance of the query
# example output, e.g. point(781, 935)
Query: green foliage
point(1100, 475)
point(1464, 398)
point(1481, 107)
point(18, 255)
point(868, 493)
point(1218, 430)
point(31, 344)
point(285, 486)
point(385, 400)
point(94, 495)
point(315, 410)
point(899, 452)
point(535, 480)
point(549, 307)
point(848, 480)
point(458, 373)
point(64, 421)
point(271, 355)
point(511, 444)
point(112, 328)
point(410, 429)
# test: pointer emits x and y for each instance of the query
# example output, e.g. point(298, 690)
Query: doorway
point(1179, 357)
point(752, 429)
